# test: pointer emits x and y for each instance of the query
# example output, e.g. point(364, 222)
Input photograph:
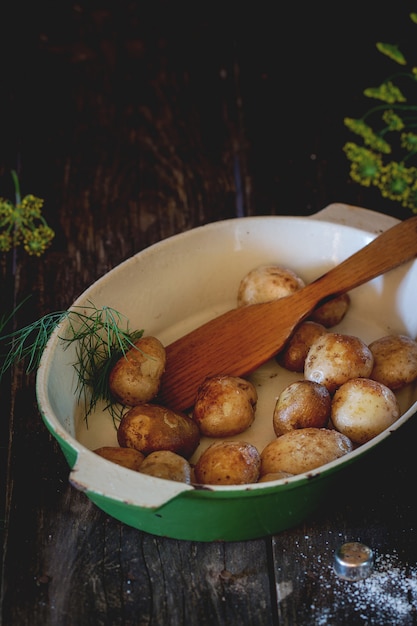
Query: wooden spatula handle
point(392, 248)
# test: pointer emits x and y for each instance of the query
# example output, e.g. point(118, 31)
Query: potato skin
point(295, 352)
point(363, 408)
point(303, 450)
point(225, 406)
point(151, 427)
point(395, 361)
point(334, 358)
point(136, 376)
point(267, 478)
point(301, 404)
point(127, 457)
point(228, 463)
point(332, 312)
point(168, 465)
point(266, 283)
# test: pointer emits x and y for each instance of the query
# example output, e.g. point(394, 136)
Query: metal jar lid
point(353, 561)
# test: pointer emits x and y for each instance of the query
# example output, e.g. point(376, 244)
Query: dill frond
point(28, 343)
point(101, 336)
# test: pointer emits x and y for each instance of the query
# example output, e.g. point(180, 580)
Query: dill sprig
point(386, 156)
point(101, 336)
point(100, 340)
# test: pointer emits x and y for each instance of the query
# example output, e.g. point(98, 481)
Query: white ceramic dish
point(176, 285)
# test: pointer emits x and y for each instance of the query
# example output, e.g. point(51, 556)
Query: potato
point(266, 283)
point(395, 361)
point(136, 376)
point(303, 450)
point(363, 408)
point(151, 427)
point(334, 358)
point(295, 352)
point(127, 457)
point(274, 476)
point(301, 404)
point(331, 312)
point(168, 465)
point(228, 463)
point(225, 406)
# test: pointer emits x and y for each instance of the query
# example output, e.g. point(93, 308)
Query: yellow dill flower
point(359, 127)
point(391, 51)
point(23, 223)
point(5, 242)
point(7, 212)
point(389, 128)
point(387, 92)
point(35, 242)
point(31, 207)
point(409, 142)
point(365, 165)
point(410, 202)
point(392, 120)
point(395, 181)
point(371, 139)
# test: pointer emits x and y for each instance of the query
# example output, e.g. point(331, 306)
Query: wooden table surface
point(136, 121)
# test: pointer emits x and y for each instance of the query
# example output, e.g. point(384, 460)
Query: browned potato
point(303, 450)
point(363, 408)
point(301, 404)
point(266, 283)
point(135, 378)
point(295, 352)
point(127, 457)
point(334, 358)
point(150, 427)
point(225, 406)
point(395, 361)
point(168, 465)
point(332, 312)
point(228, 463)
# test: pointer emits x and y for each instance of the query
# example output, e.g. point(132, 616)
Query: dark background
point(271, 79)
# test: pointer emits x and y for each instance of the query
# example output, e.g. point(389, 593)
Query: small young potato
point(295, 352)
point(301, 404)
point(228, 463)
point(395, 361)
point(363, 408)
point(303, 450)
point(168, 465)
point(266, 283)
point(334, 358)
point(127, 457)
point(332, 312)
point(151, 427)
point(136, 376)
point(225, 406)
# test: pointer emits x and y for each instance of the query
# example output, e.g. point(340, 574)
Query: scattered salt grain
point(388, 596)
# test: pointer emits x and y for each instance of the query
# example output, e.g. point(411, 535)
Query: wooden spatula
point(239, 341)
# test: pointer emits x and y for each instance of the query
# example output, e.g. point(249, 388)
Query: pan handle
point(357, 217)
point(96, 476)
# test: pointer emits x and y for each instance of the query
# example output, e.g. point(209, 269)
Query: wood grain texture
point(135, 122)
